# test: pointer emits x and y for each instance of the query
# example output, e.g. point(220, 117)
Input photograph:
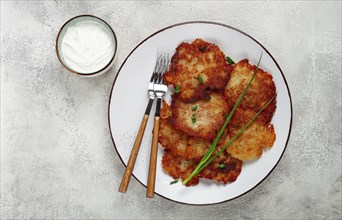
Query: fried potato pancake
point(180, 144)
point(179, 168)
point(169, 137)
point(250, 144)
point(205, 120)
point(165, 110)
point(261, 90)
point(223, 169)
point(197, 68)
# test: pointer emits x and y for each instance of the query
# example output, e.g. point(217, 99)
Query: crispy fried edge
point(261, 75)
point(202, 90)
point(181, 126)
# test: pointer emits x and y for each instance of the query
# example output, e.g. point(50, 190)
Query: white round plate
point(129, 98)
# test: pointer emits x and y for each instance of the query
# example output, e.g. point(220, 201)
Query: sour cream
point(86, 45)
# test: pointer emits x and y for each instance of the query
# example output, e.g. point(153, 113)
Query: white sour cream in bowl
point(86, 45)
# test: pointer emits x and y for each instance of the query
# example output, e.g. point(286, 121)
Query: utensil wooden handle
point(130, 165)
point(153, 159)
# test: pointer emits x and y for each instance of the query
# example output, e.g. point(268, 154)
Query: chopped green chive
point(230, 60)
point(173, 182)
point(226, 115)
point(222, 165)
point(193, 118)
point(194, 108)
point(177, 89)
point(200, 79)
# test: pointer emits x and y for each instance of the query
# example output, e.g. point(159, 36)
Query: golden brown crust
point(171, 139)
point(179, 168)
point(250, 144)
point(165, 111)
point(261, 90)
point(180, 144)
point(190, 61)
point(196, 148)
point(209, 116)
point(223, 169)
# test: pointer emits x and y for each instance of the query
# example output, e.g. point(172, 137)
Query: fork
point(159, 90)
point(134, 153)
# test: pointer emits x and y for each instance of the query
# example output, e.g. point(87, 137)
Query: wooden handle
point(130, 165)
point(153, 160)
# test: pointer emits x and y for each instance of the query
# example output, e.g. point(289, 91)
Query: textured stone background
point(57, 157)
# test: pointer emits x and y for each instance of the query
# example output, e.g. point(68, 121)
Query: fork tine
point(154, 76)
point(166, 66)
point(163, 65)
point(167, 62)
point(157, 67)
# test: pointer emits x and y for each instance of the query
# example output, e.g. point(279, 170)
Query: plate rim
point(226, 26)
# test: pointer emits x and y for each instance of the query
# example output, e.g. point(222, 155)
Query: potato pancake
point(197, 68)
point(180, 144)
point(202, 118)
point(171, 139)
point(261, 90)
point(250, 144)
point(168, 136)
point(179, 168)
point(223, 169)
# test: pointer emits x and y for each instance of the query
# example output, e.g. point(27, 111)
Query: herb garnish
point(230, 60)
point(222, 165)
point(213, 146)
point(199, 169)
point(193, 118)
point(177, 89)
point(173, 182)
point(200, 79)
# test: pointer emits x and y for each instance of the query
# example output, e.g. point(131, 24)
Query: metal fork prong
point(165, 66)
point(156, 67)
point(153, 77)
point(164, 57)
point(159, 66)
point(160, 76)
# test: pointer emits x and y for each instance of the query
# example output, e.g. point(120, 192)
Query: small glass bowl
point(62, 32)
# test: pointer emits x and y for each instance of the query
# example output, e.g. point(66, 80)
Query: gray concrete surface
point(57, 157)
